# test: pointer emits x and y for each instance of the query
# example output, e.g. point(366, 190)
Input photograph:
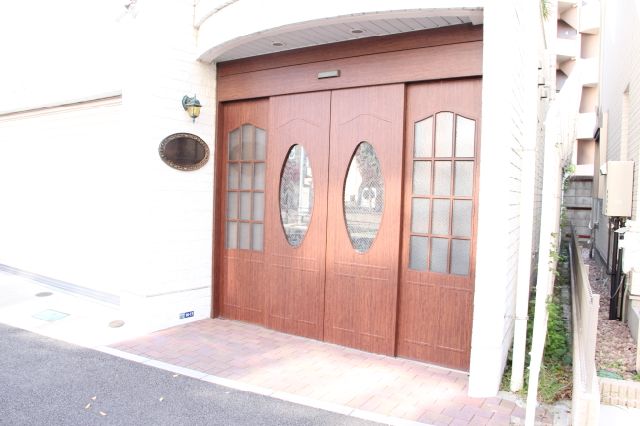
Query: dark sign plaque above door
point(184, 151)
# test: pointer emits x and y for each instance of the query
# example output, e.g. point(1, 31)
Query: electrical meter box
point(618, 188)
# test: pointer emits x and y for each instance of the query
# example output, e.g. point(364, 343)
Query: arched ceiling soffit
point(258, 29)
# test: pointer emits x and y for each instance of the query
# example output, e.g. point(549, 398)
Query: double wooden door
point(319, 206)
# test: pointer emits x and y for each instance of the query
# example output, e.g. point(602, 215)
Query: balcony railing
point(590, 71)
point(586, 125)
point(567, 48)
point(590, 17)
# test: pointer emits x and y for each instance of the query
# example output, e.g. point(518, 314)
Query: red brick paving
point(389, 386)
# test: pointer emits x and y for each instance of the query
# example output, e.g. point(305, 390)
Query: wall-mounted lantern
point(192, 106)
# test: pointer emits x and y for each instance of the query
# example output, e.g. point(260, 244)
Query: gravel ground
point(615, 348)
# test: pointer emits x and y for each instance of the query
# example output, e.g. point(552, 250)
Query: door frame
point(446, 53)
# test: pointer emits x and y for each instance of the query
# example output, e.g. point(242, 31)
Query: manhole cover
point(50, 315)
point(44, 294)
point(116, 323)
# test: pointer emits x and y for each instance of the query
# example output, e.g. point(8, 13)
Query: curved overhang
point(246, 28)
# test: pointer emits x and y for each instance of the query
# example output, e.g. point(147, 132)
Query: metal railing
point(584, 312)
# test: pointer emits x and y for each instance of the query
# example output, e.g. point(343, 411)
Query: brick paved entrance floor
point(269, 360)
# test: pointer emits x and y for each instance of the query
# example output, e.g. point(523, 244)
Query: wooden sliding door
point(241, 208)
point(439, 222)
point(350, 219)
point(297, 212)
point(363, 226)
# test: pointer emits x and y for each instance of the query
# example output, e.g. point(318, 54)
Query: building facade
point(369, 181)
point(618, 142)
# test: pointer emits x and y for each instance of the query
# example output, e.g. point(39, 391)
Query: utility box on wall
point(618, 188)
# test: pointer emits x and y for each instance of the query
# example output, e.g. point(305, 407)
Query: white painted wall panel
point(61, 193)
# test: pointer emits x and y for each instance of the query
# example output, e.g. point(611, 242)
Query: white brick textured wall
point(509, 114)
point(173, 218)
point(537, 203)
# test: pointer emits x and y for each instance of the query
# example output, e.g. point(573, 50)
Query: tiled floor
point(329, 373)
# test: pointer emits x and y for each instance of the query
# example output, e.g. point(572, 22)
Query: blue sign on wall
point(186, 315)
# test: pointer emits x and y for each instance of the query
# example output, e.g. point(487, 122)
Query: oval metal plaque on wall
point(184, 151)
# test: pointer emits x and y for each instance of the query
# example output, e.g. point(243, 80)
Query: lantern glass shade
point(193, 111)
point(192, 106)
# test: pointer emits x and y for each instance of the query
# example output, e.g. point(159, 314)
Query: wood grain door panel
point(361, 288)
point(435, 308)
point(296, 275)
point(242, 271)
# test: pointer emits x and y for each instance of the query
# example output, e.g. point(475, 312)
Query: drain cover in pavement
point(50, 315)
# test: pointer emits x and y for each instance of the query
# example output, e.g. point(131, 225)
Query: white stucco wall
point(60, 196)
point(55, 51)
point(59, 215)
point(104, 212)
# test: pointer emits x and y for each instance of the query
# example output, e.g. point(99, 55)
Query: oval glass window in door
point(296, 195)
point(363, 197)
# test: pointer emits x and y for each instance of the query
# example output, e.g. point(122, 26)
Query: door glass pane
point(296, 195)
point(444, 134)
point(460, 257)
point(418, 250)
point(257, 232)
point(245, 186)
point(245, 205)
point(363, 197)
point(234, 145)
point(261, 144)
point(463, 186)
point(233, 178)
point(258, 206)
point(258, 176)
point(422, 145)
point(439, 248)
point(245, 175)
point(461, 218)
point(232, 235)
point(440, 217)
point(442, 178)
point(244, 236)
point(248, 136)
point(422, 177)
point(232, 205)
point(465, 137)
point(420, 215)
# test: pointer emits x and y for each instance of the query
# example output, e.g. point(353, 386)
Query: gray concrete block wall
point(577, 202)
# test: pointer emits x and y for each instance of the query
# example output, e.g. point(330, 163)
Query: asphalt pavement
point(49, 382)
